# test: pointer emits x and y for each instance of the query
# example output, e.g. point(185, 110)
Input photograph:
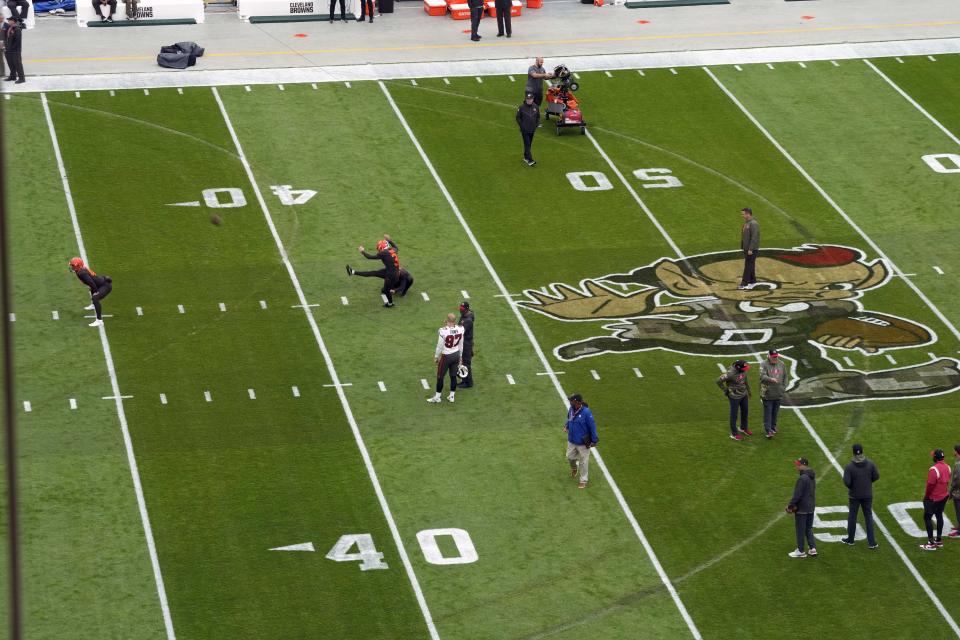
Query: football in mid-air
point(876, 330)
point(215, 219)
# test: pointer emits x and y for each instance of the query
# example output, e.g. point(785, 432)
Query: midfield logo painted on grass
point(806, 304)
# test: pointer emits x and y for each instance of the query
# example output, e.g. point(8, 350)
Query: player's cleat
point(812, 552)
point(929, 547)
point(582, 485)
point(874, 546)
point(89, 307)
point(350, 270)
point(530, 163)
point(796, 553)
point(954, 534)
point(746, 432)
point(737, 437)
point(768, 434)
point(434, 398)
point(774, 429)
point(450, 397)
point(847, 541)
point(96, 323)
point(938, 543)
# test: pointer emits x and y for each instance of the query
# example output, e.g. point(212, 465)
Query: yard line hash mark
point(679, 370)
point(346, 83)
point(73, 403)
point(938, 270)
point(55, 314)
point(510, 379)
point(280, 86)
point(334, 376)
point(803, 66)
point(425, 297)
point(263, 304)
point(181, 309)
point(344, 301)
point(640, 71)
point(637, 373)
point(163, 398)
point(621, 501)
point(139, 311)
point(112, 93)
point(890, 359)
point(593, 372)
point(848, 361)
point(223, 307)
point(608, 74)
point(252, 394)
point(146, 92)
point(466, 296)
point(247, 87)
point(769, 66)
point(13, 317)
point(479, 79)
point(511, 79)
point(424, 383)
point(834, 63)
point(296, 391)
point(722, 368)
point(931, 59)
point(207, 396)
point(738, 67)
point(180, 90)
point(673, 71)
point(313, 85)
point(115, 386)
point(446, 81)
point(27, 407)
point(382, 386)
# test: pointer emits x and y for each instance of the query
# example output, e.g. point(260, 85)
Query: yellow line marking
point(474, 45)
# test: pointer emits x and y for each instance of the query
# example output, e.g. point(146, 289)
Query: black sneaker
point(350, 270)
point(110, 19)
point(530, 163)
point(10, 79)
point(847, 541)
point(874, 546)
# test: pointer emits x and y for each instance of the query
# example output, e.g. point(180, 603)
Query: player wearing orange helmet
point(394, 278)
point(100, 287)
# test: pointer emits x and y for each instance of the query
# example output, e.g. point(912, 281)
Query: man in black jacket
point(528, 117)
point(503, 8)
point(386, 253)
point(802, 505)
point(466, 321)
point(13, 47)
point(859, 476)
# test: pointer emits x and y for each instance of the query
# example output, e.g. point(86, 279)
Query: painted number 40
point(369, 558)
point(653, 178)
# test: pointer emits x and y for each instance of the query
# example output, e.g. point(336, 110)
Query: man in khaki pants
point(581, 435)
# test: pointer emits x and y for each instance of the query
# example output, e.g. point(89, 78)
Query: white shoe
point(89, 308)
point(796, 553)
point(96, 323)
point(449, 398)
point(435, 398)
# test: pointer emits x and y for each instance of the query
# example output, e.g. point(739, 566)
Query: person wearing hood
point(935, 499)
point(859, 476)
point(773, 380)
point(736, 387)
point(802, 505)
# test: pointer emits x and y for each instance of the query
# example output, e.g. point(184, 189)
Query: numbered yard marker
point(467, 553)
point(366, 554)
point(599, 181)
point(290, 196)
point(943, 162)
point(900, 512)
point(225, 198)
point(658, 178)
point(820, 523)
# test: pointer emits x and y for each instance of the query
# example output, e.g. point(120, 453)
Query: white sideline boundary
point(115, 386)
point(546, 365)
point(335, 378)
point(823, 447)
point(471, 68)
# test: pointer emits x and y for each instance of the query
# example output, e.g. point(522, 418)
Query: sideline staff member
point(476, 12)
point(528, 117)
point(581, 436)
point(536, 74)
point(13, 46)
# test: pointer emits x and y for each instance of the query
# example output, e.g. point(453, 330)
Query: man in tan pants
point(581, 436)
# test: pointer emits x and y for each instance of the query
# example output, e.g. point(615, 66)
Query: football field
point(245, 451)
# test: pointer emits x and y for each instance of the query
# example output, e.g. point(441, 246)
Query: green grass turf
point(658, 426)
point(226, 480)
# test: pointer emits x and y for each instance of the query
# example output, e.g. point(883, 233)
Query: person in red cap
point(736, 387)
point(100, 287)
point(935, 499)
point(773, 380)
point(802, 505)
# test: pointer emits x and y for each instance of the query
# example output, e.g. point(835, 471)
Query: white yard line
point(836, 207)
point(915, 104)
point(115, 385)
point(546, 364)
point(923, 583)
point(308, 312)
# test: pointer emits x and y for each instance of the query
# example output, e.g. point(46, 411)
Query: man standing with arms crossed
point(448, 355)
point(581, 436)
point(859, 476)
point(750, 244)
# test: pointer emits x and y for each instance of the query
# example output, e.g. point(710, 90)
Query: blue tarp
point(44, 7)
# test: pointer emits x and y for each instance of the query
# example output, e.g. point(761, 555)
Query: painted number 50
point(943, 162)
point(653, 178)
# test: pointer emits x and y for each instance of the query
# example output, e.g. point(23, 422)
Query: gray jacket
point(859, 476)
point(750, 235)
point(773, 380)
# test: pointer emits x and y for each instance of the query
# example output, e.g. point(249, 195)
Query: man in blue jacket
point(581, 435)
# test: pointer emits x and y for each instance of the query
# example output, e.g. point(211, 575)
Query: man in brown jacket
point(773, 381)
point(750, 245)
point(736, 387)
